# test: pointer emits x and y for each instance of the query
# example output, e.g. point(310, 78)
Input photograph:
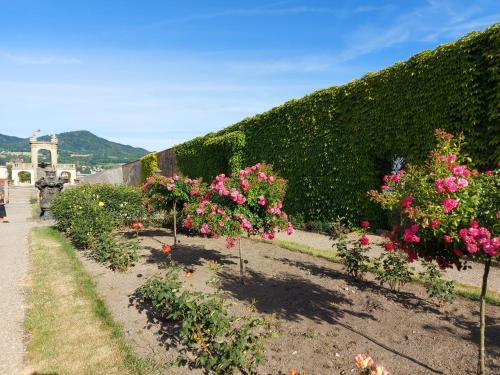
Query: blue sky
point(156, 73)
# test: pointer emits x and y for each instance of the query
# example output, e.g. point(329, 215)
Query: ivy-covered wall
point(149, 165)
point(335, 144)
point(212, 154)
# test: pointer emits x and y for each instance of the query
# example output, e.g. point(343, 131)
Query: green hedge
point(149, 165)
point(336, 144)
point(210, 155)
point(89, 212)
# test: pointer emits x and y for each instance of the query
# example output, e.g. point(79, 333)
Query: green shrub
point(436, 286)
point(335, 144)
point(393, 269)
point(149, 165)
point(118, 253)
point(88, 212)
point(297, 220)
point(220, 343)
point(353, 255)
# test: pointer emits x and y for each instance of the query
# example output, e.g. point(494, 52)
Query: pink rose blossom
point(262, 200)
point(449, 204)
point(472, 248)
point(406, 201)
point(261, 176)
point(474, 224)
point(245, 185)
point(204, 229)
point(434, 223)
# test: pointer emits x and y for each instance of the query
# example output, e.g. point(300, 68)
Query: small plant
point(220, 343)
point(436, 286)
point(337, 228)
point(310, 334)
point(297, 220)
point(354, 253)
point(393, 269)
point(119, 254)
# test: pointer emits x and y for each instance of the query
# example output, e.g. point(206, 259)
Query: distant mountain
point(78, 147)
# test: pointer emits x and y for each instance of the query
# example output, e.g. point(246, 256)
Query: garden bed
point(322, 318)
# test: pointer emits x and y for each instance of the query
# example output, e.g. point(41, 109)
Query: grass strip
point(463, 290)
point(70, 329)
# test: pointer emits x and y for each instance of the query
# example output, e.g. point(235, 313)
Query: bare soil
point(323, 317)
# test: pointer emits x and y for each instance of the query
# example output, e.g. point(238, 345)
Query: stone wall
point(130, 173)
point(112, 176)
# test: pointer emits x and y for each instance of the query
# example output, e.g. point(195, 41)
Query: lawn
point(70, 330)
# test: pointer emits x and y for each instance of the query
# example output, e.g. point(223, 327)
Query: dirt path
point(323, 319)
point(472, 276)
point(14, 263)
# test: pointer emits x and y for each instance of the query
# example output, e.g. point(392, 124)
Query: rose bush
point(246, 203)
point(162, 193)
point(450, 212)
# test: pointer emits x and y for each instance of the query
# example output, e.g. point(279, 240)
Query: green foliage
point(353, 256)
point(119, 254)
point(212, 154)
point(336, 144)
point(297, 220)
point(220, 343)
point(89, 212)
point(149, 165)
point(436, 286)
point(392, 268)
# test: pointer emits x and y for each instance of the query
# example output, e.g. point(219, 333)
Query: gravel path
point(14, 263)
point(471, 276)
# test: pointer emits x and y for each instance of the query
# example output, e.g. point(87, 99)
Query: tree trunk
point(175, 223)
point(482, 323)
point(242, 264)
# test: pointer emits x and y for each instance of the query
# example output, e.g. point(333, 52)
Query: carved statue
point(49, 188)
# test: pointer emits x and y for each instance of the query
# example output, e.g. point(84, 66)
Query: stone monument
point(49, 188)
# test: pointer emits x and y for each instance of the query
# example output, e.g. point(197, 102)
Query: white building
point(4, 174)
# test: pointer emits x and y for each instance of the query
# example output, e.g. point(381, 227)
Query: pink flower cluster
point(218, 184)
point(449, 204)
point(232, 242)
point(392, 178)
point(237, 197)
point(276, 208)
point(450, 184)
point(410, 234)
point(406, 201)
point(476, 237)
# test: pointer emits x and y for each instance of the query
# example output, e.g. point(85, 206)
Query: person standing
point(3, 212)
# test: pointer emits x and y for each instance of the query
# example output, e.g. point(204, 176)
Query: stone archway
point(37, 145)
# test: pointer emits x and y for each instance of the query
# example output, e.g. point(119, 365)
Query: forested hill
point(81, 147)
